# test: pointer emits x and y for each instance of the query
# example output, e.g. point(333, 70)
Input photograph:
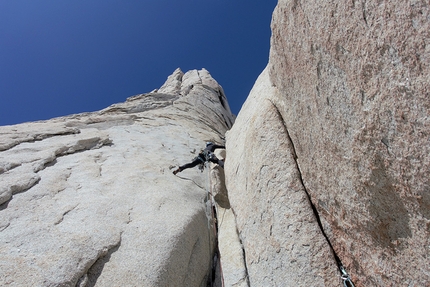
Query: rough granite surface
point(90, 199)
point(282, 242)
point(350, 82)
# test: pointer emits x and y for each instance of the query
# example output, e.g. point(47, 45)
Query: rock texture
point(232, 268)
point(282, 241)
point(347, 104)
point(90, 200)
point(327, 166)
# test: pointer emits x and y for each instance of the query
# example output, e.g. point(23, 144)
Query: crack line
point(314, 209)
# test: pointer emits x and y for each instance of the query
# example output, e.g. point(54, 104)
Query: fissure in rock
point(216, 255)
point(314, 209)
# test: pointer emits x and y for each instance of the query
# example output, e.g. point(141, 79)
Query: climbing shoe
point(176, 171)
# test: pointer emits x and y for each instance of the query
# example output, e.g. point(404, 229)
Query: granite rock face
point(90, 199)
point(350, 82)
point(232, 269)
point(282, 241)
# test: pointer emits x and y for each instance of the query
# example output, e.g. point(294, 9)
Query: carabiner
point(345, 277)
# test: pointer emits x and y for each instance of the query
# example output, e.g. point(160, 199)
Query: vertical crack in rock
point(215, 258)
point(229, 248)
point(314, 209)
point(213, 223)
point(200, 78)
point(364, 13)
point(243, 252)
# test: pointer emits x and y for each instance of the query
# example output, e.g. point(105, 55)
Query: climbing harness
point(200, 158)
point(202, 161)
point(345, 278)
point(204, 157)
point(208, 155)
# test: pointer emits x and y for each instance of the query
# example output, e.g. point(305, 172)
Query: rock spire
point(90, 199)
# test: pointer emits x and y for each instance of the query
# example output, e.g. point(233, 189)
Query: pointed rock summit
point(326, 171)
point(90, 199)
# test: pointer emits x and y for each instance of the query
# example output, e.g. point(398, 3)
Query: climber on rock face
point(204, 156)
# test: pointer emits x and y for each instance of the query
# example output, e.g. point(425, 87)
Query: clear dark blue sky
point(64, 57)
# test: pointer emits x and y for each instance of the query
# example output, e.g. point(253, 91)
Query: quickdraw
point(345, 278)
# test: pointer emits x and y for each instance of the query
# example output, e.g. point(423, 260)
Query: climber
point(204, 156)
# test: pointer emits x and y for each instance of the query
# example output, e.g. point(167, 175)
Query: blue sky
point(65, 57)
